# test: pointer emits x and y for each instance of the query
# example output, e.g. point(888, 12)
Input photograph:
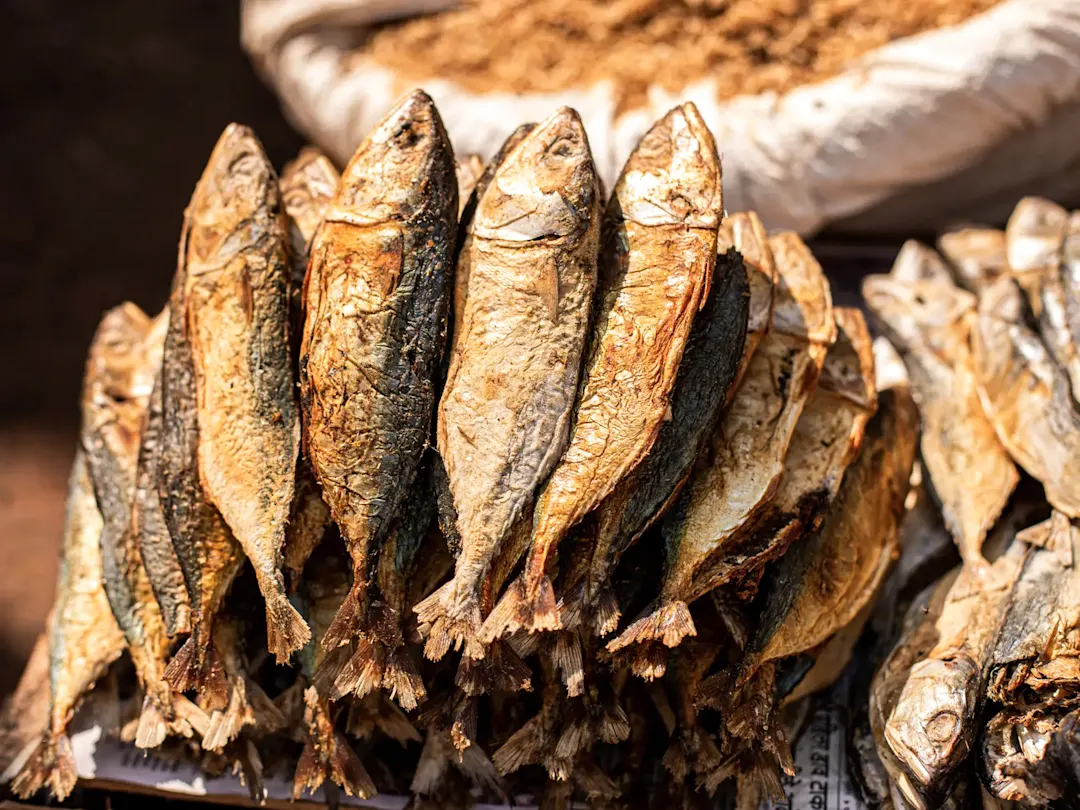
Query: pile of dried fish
point(979, 673)
point(461, 481)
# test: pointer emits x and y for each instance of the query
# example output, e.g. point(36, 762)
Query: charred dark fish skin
point(527, 271)
point(377, 294)
point(656, 263)
point(710, 362)
point(83, 638)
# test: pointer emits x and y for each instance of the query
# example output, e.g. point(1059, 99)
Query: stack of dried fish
point(581, 495)
point(979, 676)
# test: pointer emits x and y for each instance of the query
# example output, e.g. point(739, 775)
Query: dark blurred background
point(109, 112)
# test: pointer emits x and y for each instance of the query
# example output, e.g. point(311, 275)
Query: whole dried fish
point(1026, 395)
point(710, 361)
point(116, 391)
point(970, 471)
point(377, 295)
point(83, 638)
point(529, 269)
point(976, 254)
point(704, 529)
point(236, 297)
point(659, 250)
point(469, 169)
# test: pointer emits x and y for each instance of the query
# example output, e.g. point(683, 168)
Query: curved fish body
point(526, 274)
point(977, 256)
point(704, 530)
point(1027, 396)
point(657, 260)
point(116, 392)
point(711, 360)
point(971, 473)
point(236, 296)
point(377, 295)
point(83, 638)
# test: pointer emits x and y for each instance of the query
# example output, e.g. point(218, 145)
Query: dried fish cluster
point(977, 676)
point(582, 496)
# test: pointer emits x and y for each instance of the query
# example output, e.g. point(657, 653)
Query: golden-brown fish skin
point(977, 255)
point(236, 295)
point(208, 554)
point(529, 259)
point(657, 258)
point(703, 531)
point(83, 638)
point(377, 292)
point(1027, 396)
point(972, 475)
point(1033, 239)
point(916, 262)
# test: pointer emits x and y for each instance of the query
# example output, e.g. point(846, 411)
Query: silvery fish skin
point(1037, 650)
point(931, 729)
point(83, 638)
point(703, 531)
point(208, 554)
point(657, 259)
point(377, 293)
point(970, 471)
point(710, 362)
point(148, 519)
point(1027, 396)
point(1033, 239)
point(116, 391)
point(527, 272)
point(978, 256)
point(236, 295)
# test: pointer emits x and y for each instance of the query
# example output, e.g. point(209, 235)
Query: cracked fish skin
point(236, 295)
point(377, 295)
point(656, 264)
point(209, 555)
point(527, 272)
point(1026, 396)
point(148, 520)
point(83, 638)
point(703, 531)
point(824, 581)
point(116, 392)
point(971, 473)
point(977, 255)
point(710, 362)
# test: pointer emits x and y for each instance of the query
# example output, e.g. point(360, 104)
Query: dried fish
point(377, 293)
point(1028, 756)
point(916, 262)
point(971, 473)
point(236, 287)
point(1027, 396)
point(529, 270)
point(704, 530)
point(659, 250)
point(116, 393)
point(976, 254)
point(1033, 239)
point(710, 361)
point(469, 169)
point(308, 186)
point(83, 638)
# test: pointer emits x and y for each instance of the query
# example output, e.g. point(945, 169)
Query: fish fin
point(402, 679)
point(394, 723)
point(463, 728)
point(309, 775)
point(448, 620)
point(346, 623)
point(670, 623)
point(328, 671)
point(593, 782)
point(251, 767)
point(267, 716)
point(197, 666)
point(364, 670)
point(614, 724)
point(226, 724)
point(567, 659)
point(36, 771)
point(189, 717)
point(286, 630)
point(524, 747)
point(606, 613)
point(712, 691)
point(516, 611)
point(501, 670)
point(182, 672)
point(64, 773)
point(152, 728)
point(347, 770)
point(648, 661)
point(574, 737)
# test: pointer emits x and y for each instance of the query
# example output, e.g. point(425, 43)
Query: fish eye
point(943, 726)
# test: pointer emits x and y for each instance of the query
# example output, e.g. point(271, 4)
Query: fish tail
point(197, 666)
point(364, 670)
point(37, 770)
point(188, 717)
point(648, 661)
point(346, 623)
point(401, 679)
point(64, 772)
point(606, 614)
point(614, 724)
point(309, 775)
point(326, 674)
point(501, 670)
point(286, 630)
point(519, 610)
point(450, 618)
point(152, 728)
point(567, 660)
point(670, 623)
point(524, 747)
point(347, 770)
point(248, 705)
point(463, 727)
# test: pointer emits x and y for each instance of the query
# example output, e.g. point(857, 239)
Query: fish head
point(403, 166)
point(238, 188)
point(931, 727)
point(1034, 233)
point(849, 366)
point(917, 262)
point(117, 355)
point(308, 183)
point(978, 254)
point(673, 175)
point(744, 232)
point(914, 314)
point(803, 305)
point(545, 188)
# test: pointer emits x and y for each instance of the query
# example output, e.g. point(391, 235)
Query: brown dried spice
point(748, 46)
